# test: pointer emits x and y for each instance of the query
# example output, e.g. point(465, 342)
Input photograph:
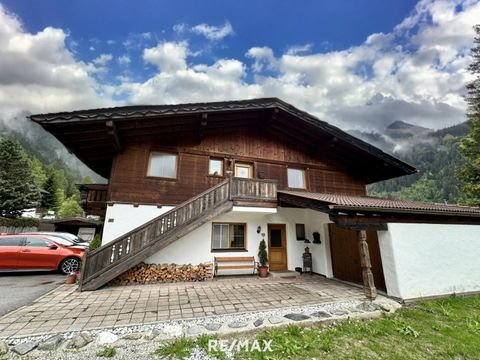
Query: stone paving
point(65, 309)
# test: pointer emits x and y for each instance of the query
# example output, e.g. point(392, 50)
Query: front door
point(243, 170)
point(277, 247)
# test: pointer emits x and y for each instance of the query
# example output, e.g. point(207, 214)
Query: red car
point(39, 252)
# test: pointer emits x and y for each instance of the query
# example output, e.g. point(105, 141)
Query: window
point(296, 178)
point(36, 242)
point(215, 167)
point(162, 165)
point(243, 170)
point(11, 241)
point(300, 228)
point(228, 236)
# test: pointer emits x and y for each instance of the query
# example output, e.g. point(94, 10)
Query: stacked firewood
point(152, 273)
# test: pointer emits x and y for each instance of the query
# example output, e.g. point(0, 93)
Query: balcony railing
point(253, 189)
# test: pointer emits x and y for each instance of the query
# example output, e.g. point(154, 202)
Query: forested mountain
point(50, 171)
point(42, 145)
point(434, 153)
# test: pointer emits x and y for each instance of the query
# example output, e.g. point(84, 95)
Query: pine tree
point(17, 185)
point(38, 172)
point(469, 174)
point(49, 196)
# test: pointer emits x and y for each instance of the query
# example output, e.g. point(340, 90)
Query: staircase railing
point(131, 243)
point(128, 248)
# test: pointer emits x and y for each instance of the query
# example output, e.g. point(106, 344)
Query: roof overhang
point(362, 212)
point(96, 136)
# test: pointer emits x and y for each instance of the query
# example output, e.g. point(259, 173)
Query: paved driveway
point(18, 289)
point(146, 304)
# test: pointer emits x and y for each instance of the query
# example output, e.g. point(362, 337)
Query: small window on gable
point(300, 231)
point(215, 167)
point(162, 165)
point(296, 178)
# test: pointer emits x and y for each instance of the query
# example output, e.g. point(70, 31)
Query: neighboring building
point(80, 226)
point(190, 182)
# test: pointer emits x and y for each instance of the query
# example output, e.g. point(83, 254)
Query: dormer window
point(296, 178)
point(215, 167)
point(162, 165)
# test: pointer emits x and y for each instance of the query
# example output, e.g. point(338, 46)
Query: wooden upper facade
point(267, 158)
point(263, 138)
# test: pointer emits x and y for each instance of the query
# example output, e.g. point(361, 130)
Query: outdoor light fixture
point(316, 238)
point(259, 228)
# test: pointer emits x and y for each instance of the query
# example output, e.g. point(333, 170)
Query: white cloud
point(103, 59)
point(415, 73)
point(263, 58)
point(38, 73)
point(213, 33)
point(124, 60)
point(167, 56)
point(180, 28)
point(299, 49)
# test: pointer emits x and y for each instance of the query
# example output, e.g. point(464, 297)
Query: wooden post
point(368, 282)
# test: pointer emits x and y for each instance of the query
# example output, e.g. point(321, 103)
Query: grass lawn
point(438, 329)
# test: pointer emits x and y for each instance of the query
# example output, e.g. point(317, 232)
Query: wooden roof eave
point(378, 210)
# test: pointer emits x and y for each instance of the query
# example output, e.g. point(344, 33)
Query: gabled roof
point(96, 135)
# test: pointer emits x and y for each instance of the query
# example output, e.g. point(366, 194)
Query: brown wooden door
point(277, 247)
point(346, 257)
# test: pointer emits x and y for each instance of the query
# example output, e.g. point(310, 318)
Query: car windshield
point(68, 236)
point(61, 241)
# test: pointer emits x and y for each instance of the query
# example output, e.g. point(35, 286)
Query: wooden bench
point(248, 263)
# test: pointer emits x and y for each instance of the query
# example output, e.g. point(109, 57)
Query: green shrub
point(19, 222)
point(262, 253)
point(95, 243)
point(108, 351)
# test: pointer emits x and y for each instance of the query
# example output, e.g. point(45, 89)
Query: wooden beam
point(368, 283)
point(112, 130)
point(202, 126)
point(356, 222)
point(371, 220)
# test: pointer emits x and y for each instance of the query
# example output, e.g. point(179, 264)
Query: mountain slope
point(435, 155)
point(41, 144)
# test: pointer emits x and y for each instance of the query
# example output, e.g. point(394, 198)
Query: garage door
point(346, 258)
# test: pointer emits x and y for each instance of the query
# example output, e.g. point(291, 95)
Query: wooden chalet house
point(191, 182)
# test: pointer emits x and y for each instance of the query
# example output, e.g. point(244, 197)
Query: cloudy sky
point(356, 64)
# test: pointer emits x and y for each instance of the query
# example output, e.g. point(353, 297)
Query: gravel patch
point(139, 341)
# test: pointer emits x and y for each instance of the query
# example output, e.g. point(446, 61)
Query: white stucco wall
point(421, 260)
point(121, 218)
point(195, 247)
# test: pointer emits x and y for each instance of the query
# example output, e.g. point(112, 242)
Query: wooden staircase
point(112, 259)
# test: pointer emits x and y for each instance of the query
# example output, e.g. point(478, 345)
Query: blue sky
point(326, 25)
point(357, 64)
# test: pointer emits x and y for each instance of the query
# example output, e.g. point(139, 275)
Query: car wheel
point(69, 265)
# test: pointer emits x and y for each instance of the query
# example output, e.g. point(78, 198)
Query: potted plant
point(262, 259)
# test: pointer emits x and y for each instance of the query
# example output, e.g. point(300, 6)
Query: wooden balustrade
point(254, 189)
point(183, 218)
